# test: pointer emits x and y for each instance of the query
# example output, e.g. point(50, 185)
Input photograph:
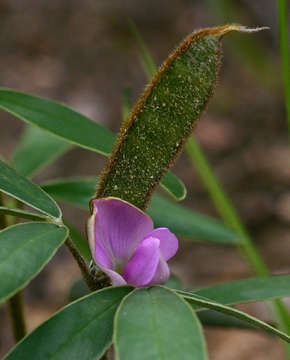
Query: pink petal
point(141, 268)
point(168, 242)
point(162, 273)
point(119, 228)
point(98, 251)
point(104, 260)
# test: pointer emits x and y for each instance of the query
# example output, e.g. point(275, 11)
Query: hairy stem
point(224, 206)
point(87, 276)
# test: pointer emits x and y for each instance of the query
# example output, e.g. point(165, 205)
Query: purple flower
point(125, 246)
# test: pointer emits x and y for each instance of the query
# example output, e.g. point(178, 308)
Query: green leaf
point(81, 330)
point(75, 191)
point(79, 241)
point(207, 303)
point(173, 186)
point(246, 290)
point(36, 150)
point(23, 214)
point(180, 220)
point(58, 119)
point(155, 323)
point(185, 222)
point(25, 250)
point(68, 125)
point(212, 318)
point(17, 186)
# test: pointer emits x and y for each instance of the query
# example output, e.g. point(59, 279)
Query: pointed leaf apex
point(223, 30)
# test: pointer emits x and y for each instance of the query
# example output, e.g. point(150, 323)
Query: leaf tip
point(252, 30)
point(240, 28)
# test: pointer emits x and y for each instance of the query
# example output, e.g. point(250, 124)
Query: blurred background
point(82, 53)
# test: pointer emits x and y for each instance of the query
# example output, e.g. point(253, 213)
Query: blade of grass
point(146, 58)
point(231, 218)
point(282, 19)
point(223, 204)
point(126, 108)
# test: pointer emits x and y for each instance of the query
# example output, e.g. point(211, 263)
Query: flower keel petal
point(162, 273)
point(168, 242)
point(141, 268)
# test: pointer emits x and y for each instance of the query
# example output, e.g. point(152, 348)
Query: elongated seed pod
point(163, 118)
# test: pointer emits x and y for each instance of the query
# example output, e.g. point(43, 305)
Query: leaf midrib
point(200, 300)
point(81, 329)
point(31, 240)
point(155, 326)
point(26, 193)
point(48, 114)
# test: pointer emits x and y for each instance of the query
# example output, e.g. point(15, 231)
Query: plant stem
point(282, 20)
point(15, 307)
point(15, 303)
point(228, 213)
point(87, 276)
